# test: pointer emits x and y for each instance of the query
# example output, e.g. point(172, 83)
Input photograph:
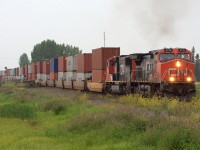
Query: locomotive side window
point(166, 57)
point(183, 56)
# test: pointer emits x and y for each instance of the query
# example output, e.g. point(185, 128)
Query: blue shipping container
point(54, 65)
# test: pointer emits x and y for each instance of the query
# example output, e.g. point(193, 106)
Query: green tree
point(50, 49)
point(197, 67)
point(23, 60)
point(193, 54)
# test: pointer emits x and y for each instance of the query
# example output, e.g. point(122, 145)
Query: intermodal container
point(62, 75)
point(21, 71)
point(34, 68)
point(62, 64)
point(54, 65)
point(8, 72)
point(98, 75)
point(43, 77)
point(46, 67)
point(29, 76)
point(53, 76)
point(39, 67)
point(71, 63)
point(84, 63)
point(29, 68)
point(11, 72)
point(70, 76)
point(26, 72)
point(39, 76)
point(101, 55)
point(34, 76)
point(83, 76)
point(75, 62)
point(17, 72)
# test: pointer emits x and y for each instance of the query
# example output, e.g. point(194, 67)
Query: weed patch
point(21, 111)
point(56, 105)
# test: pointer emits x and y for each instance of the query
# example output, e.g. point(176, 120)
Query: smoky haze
point(155, 20)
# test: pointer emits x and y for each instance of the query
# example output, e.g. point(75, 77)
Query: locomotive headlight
point(171, 79)
point(188, 79)
point(178, 64)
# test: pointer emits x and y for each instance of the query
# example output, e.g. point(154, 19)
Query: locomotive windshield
point(184, 56)
point(166, 56)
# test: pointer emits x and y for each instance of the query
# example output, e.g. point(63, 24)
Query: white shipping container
point(20, 71)
point(62, 75)
point(39, 76)
point(21, 77)
point(29, 68)
point(83, 76)
point(71, 76)
point(71, 63)
point(45, 77)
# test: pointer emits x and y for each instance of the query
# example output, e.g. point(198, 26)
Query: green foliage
point(17, 111)
point(50, 49)
point(127, 122)
point(193, 54)
point(56, 105)
point(23, 60)
point(197, 69)
point(180, 139)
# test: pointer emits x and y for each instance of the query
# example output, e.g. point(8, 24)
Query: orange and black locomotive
point(169, 71)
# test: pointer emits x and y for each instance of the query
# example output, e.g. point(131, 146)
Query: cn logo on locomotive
point(176, 72)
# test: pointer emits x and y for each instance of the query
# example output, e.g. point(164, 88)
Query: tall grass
point(66, 119)
point(17, 111)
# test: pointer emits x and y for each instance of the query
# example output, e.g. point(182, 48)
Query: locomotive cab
point(176, 72)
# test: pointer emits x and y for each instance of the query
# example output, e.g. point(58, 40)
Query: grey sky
point(133, 25)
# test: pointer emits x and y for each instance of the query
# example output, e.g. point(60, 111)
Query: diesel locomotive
point(169, 71)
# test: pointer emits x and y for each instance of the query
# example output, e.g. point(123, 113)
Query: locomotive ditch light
point(188, 79)
point(182, 50)
point(178, 64)
point(171, 79)
point(168, 50)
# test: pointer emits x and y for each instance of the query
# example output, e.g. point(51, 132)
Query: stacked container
point(21, 73)
point(11, 73)
point(45, 70)
point(34, 71)
point(99, 60)
point(26, 72)
point(84, 69)
point(54, 69)
point(8, 73)
point(17, 73)
point(29, 72)
point(84, 66)
point(14, 73)
point(71, 67)
point(62, 68)
point(39, 70)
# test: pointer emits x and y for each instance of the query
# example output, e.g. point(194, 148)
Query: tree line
point(48, 49)
point(196, 61)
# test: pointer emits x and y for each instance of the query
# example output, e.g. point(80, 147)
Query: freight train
point(163, 72)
